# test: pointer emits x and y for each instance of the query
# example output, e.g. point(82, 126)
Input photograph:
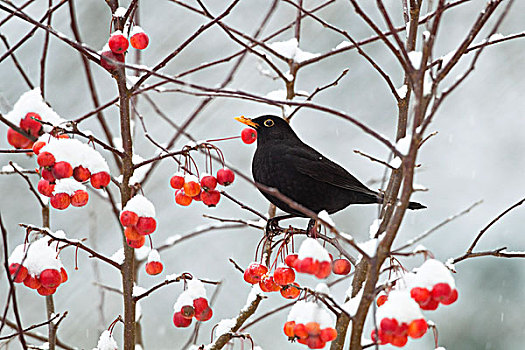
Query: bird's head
point(269, 128)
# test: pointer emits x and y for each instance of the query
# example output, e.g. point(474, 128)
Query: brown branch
point(31, 187)
point(182, 277)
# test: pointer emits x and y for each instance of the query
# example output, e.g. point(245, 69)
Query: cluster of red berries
point(118, 44)
point(200, 310)
point(282, 280)
point(189, 188)
point(45, 284)
point(154, 265)
point(55, 158)
point(320, 269)
point(430, 299)
point(396, 333)
point(138, 219)
point(310, 334)
point(30, 126)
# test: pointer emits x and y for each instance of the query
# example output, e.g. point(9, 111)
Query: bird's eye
point(268, 122)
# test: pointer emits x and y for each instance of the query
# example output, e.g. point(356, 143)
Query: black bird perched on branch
point(299, 172)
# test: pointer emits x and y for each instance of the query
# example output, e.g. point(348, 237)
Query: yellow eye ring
point(268, 122)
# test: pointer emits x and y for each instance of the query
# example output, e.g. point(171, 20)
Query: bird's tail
point(411, 205)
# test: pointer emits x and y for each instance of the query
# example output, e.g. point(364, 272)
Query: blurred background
point(476, 155)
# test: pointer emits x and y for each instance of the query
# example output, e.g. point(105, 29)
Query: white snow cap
point(153, 255)
point(400, 306)
point(32, 101)
point(323, 215)
point(141, 206)
point(307, 311)
point(290, 49)
point(75, 153)
point(106, 342)
point(310, 248)
point(120, 12)
point(118, 256)
point(195, 290)
point(69, 186)
point(254, 292)
point(136, 30)
point(431, 273)
point(415, 58)
point(189, 177)
point(225, 326)
point(40, 256)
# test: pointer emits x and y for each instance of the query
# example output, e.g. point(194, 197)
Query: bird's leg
point(311, 230)
point(272, 224)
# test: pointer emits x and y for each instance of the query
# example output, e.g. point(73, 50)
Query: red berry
point(283, 276)
point(45, 159)
point(45, 188)
point(63, 274)
point(154, 267)
point(328, 334)
point(401, 330)
point(18, 272)
point(267, 284)
point(47, 175)
point(177, 182)
point(187, 311)
point(288, 329)
point(182, 199)
point(81, 174)
point(208, 182)
point(430, 304)
point(146, 225)
point(417, 328)
point(32, 282)
point(225, 176)
point(300, 331)
point(192, 188)
point(254, 272)
point(50, 278)
point(44, 291)
point(381, 299)
point(451, 299)
point(30, 125)
point(60, 201)
point(210, 198)
point(79, 198)
point(118, 43)
point(107, 57)
point(420, 295)
point(128, 218)
point(61, 170)
point(290, 259)
point(37, 146)
point(341, 267)
point(197, 197)
point(248, 135)
point(325, 267)
point(136, 243)
point(315, 343)
point(180, 321)
point(16, 139)
point(205, 315)
point(389, 325)
point(441, 291)
point(291, 292)
point(132, 233)
point(139, 40)
point(100, 180)
point(399, 341)
point(200, 304)
point(313, 329)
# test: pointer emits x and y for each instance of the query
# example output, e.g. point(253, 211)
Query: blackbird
point(299, 172)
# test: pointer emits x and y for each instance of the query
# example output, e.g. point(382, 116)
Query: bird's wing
point(309, 162)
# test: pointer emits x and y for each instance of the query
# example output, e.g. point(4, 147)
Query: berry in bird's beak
point(247, 121)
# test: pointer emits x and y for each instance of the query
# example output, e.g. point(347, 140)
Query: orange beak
point(246, 121)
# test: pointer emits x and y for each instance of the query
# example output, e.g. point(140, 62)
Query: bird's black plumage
point(298, 171)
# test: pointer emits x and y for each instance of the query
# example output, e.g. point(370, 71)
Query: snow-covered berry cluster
point(189, 188)
point(154, 265)
point(192, 303)
point(432, 284)
point(398, 318)
point(60, 161)
point(310, 324)
point(37, 266)
point(118, 44)
point(138, 218)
